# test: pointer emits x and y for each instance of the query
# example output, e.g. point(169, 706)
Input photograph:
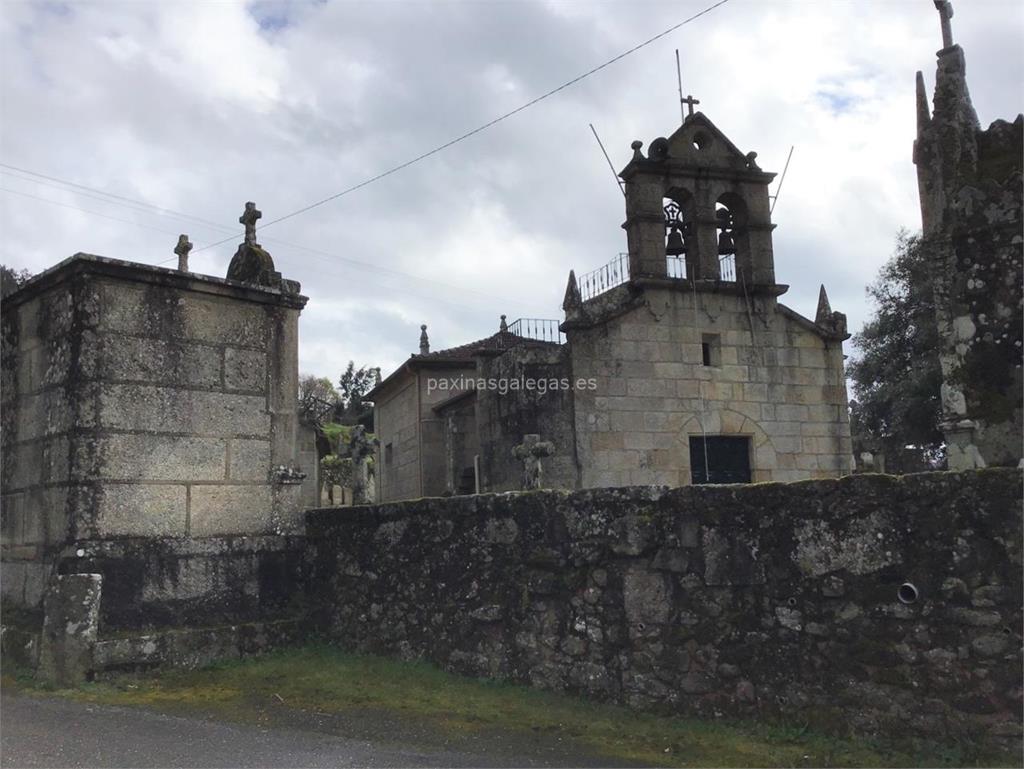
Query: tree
point(353, 386)
point(316, 393)
point(896, 378)
point(11, 280)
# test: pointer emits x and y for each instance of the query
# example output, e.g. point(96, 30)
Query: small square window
point(388, 454)
point(711, 350)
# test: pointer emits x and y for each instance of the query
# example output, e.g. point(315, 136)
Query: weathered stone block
point(230, 509)
point(215, 321)
point(12, 581)
point(162, 458)
point(160, 361)
point(71, 617)
point(245, 369)
point(250, 460)
point(142, 510)
point(166, 410)
point(645, 597)
point(731, 558)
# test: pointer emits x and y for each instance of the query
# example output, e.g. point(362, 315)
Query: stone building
point(971, 210)
point(149, 435)
point(673, 364)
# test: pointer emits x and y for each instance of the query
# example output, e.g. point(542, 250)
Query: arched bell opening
point(680, 233)
point(733, 237)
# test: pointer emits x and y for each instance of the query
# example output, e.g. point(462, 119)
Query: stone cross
point(689, 101)
point(530, 452)
point(248, 218)
point(182, 249)
point(945, 9)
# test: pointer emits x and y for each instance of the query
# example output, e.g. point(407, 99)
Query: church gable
point(699, 142)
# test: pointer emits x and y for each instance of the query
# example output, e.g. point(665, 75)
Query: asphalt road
point(51, 732)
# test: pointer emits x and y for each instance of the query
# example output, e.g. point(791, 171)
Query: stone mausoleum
point(149, 438)
point(681, 363)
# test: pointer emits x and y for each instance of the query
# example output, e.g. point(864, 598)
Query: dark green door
point(720, 459)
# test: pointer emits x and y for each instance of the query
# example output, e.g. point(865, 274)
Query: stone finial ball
point(637, 144)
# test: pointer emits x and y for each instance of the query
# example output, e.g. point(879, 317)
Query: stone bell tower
point(969, 180)
point(697, 197)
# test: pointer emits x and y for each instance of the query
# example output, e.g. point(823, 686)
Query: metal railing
point(596, 282)
point(727, 268)
point(539, 329)
point(616, 272)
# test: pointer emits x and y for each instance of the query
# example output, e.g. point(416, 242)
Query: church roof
point(462, 354)
point(496, 342)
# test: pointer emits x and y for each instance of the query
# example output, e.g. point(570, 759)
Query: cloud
point(198, 107)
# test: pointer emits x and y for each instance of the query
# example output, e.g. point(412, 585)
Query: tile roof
point(501, 340)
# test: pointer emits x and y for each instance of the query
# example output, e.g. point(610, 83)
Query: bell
point(725, 244)
point(676, 245)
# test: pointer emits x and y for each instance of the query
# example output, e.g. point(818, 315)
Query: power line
point(85, 210)
point(133, 205)
point(325, 255)
point(65, 182)
point(481, 128)
point(355, 187)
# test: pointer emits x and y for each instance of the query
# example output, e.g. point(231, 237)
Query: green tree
point(896, 376)
point(353, 386)
point(317, 394)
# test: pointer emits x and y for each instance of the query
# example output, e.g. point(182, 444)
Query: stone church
point(673, 364)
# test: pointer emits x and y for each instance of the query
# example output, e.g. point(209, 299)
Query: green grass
point(322, 679)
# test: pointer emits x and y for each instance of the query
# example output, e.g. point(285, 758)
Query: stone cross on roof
point(248, 218)
point(945, 9)
point(182, 249)
point(689, 101)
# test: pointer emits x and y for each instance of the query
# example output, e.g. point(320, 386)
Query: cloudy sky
point(196, 107)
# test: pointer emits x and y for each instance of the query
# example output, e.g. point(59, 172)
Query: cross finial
point(689, 101)
point(248, 218)
point(945, 9)
point(182, 249)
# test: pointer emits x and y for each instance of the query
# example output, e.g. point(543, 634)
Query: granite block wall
point(773, 378)
point(143, 402)
point(503, 419)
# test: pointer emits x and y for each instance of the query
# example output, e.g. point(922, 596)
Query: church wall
point(405, 420)
point(503, 419)
point(785, 391)
point(433, 452)
point(397, 428)
point(462, 441)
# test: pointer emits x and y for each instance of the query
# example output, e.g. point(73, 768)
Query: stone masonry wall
point(143, 402)
point(503, 420)
point(775, 380)
point(38, 407)
point(397, 425)
point(711, 600)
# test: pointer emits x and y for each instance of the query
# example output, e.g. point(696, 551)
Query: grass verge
point(325, 681)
